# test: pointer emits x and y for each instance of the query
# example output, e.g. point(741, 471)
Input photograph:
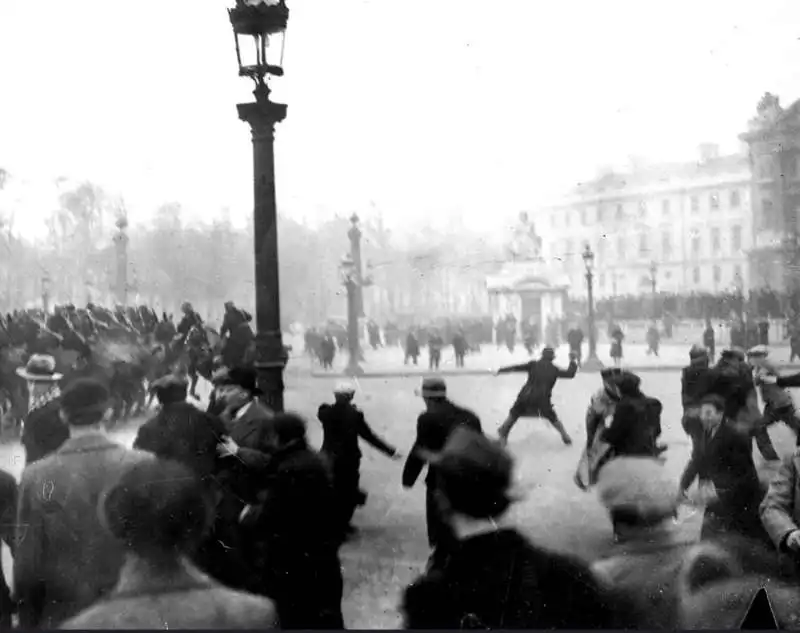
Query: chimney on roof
point(708, 152)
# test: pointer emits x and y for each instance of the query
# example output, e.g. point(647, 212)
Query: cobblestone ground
point(490, 357)
point(391, 548)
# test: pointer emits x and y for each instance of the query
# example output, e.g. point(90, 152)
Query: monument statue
point(525, 244)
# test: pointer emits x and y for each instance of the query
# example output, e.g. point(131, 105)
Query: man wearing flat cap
point(43, 431)
point(65, 560)
point(434, 426)
point(535, 399)
point(495, 578)
point(343, 424)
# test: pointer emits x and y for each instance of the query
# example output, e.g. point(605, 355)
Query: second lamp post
point(592, 363)
point(352, 286)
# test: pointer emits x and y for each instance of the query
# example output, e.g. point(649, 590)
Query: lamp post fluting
point(592, 363)
point(351, 285)
point(265, 22)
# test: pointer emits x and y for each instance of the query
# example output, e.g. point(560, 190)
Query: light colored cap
point(345, 388)
point(639, 485)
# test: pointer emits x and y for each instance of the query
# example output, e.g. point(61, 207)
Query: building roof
point(664, 173)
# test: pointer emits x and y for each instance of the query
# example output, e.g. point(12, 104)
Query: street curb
point(448, 373)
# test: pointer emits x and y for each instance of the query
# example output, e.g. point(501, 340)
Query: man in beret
point(496, 578)
point(64, 559)
point(343, 425)
point(434, 426)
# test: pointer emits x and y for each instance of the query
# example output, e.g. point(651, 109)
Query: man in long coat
point(535, 397)
point(236, 334)
point(343, 424)
point(434, 427)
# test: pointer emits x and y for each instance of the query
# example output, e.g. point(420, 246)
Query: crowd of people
point(227, 517)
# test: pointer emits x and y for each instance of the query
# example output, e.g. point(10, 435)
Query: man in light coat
point(64, 559)
point(780, 512)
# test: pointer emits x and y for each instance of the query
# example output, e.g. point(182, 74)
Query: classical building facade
point(691, 224)
point(773, 140)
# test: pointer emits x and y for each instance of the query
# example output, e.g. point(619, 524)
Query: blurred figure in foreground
point(64, 559)
point(496, 578)
point(159, 511)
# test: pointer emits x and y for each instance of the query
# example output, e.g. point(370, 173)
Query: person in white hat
point(778, 403)
point(43, 431)
point(343, 424)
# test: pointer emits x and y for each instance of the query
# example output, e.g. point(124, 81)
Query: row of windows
point(645, 250)
point(617, 212)
point(616, 279)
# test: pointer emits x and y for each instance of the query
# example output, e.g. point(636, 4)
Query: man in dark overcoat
point(298, 550)
point(535, 397)
point(460, 347)
point(343, 424)
point(434, 426)
point(246, 454)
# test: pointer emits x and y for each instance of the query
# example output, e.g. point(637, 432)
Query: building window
point(716, 240)
point(717, 274)
point(621, 247)
point(764, 167)
point(713, 201)
point(643, 249)
point(736, 238)
point(767, 213)
point(666, 245)
point(695, 202)
point(583, 217)
point(665, 207)
point(568, 249)
point(567, 218)
point(696, 275)
point(737, 271)
point(736, 199)
point(642, 208)
point(695, 245)
point(620, 212)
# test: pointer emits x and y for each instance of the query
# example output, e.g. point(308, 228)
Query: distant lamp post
point(265, 23)
point(121, 244)
point(46, 292)
point(592, 363)
point(350, 282)
point(653, 283)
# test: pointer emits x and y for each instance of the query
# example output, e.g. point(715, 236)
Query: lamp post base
point(591, 365)
point(353, 369)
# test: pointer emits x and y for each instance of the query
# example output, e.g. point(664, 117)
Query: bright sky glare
point(441, 109)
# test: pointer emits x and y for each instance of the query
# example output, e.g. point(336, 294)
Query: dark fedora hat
point(40, 368)
point(85, 401)
point(244, 377)
point(432, 388)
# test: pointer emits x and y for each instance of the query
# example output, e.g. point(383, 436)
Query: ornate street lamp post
point(265, 22)
point(46, 292)
point(592, 363)
point(350, 282)
point(121, 244)
point(653, 282)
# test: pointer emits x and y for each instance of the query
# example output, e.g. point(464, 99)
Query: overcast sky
point(427, 110)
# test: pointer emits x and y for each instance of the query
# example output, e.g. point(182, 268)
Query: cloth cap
point(610, 373)
point(433, 388)
point(40, 368)
point(85, 401)
point(548, 352)
point(156, 504)
point(244, 377)
point(474, 472)
point(733, 352)
point(638, 486)
point(758, 350)
point(169, 381)
point(697, 352)
point(345, 388)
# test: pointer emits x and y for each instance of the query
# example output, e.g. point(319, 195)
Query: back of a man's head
point(85, 402)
